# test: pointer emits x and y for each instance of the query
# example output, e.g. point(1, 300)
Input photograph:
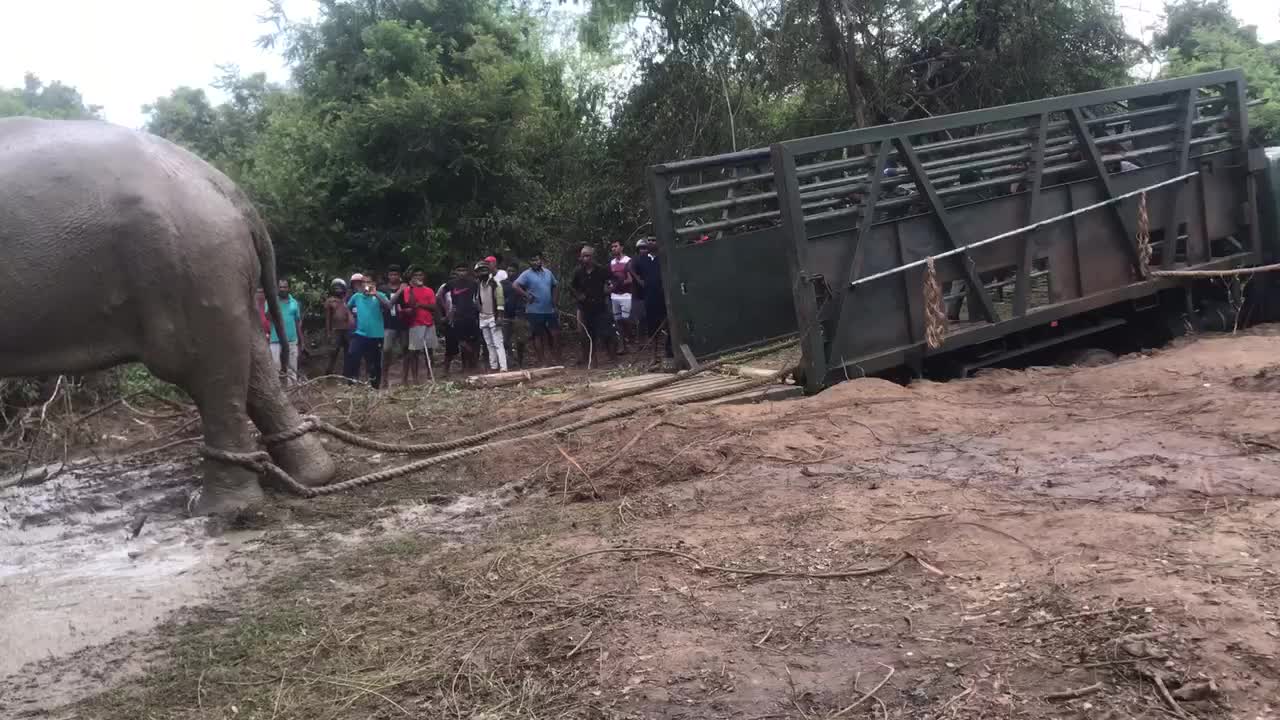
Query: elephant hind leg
point(304, 458)
point(219, 385)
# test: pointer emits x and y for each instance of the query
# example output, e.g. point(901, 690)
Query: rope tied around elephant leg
point(309, 424)
point(258, 462)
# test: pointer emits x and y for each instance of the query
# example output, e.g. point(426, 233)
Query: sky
point(123, 54)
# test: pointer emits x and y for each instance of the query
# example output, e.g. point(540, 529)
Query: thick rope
point(935, 309)
point(1144, 237)
point(311, 422)
point(261, 461)
point(1217, 273)
point(1144, 254)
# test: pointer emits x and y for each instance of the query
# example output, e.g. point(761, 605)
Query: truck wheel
point(1087, 357)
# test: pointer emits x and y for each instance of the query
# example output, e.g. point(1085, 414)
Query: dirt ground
point(1047, 543)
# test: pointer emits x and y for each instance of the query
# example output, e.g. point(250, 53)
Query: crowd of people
point(485, 314)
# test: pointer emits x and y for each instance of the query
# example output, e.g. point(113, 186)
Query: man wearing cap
point(499, 275)
point(396, 332)
point(366, 340)
point(646, 273)
point(338, 321)
point(490, 304)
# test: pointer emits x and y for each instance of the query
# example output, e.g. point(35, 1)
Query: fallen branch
point(630, 443)
point(585, 474)
point(513, 377)
point(1076, 693)
point(868, 694)
point(1164, 693)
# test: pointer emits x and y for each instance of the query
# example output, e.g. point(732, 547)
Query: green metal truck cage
point(1030, 212)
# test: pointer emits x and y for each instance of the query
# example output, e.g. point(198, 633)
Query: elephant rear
point(126, 239)
point(119, 246)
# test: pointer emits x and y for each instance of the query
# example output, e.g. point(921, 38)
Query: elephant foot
point(226, 490)
point(305, 459)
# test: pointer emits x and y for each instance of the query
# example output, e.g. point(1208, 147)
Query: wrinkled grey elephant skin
point(118, 246)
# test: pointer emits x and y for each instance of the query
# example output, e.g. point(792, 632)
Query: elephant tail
point(267, 268)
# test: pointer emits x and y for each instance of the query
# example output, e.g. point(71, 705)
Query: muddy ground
point(1048, 543)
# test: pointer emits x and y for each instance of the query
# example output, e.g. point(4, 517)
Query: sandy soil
point(1049, 543)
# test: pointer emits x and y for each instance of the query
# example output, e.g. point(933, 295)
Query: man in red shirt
point(417, 303)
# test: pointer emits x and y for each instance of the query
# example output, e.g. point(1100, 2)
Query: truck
point(938, 246)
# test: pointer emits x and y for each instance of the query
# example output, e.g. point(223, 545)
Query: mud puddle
point(95, 558)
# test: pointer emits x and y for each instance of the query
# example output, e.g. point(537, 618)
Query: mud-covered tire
point(1087, 357)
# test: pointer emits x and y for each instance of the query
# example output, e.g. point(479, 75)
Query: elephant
point(118, 246)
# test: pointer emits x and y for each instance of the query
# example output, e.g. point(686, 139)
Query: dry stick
point(1002, 533)
point(585, 474)
point(956, 698)
point(44, 410)
point(1090, 613)
point(1164, 693)
point(630, 443)
point(1076, 693)
point(760, 643)
point(704, 566)
point(868, 694)
point(581, 642)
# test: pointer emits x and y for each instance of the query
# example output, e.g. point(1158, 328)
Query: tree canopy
point(438, 131)
point(1203, 35)
point(55, 101)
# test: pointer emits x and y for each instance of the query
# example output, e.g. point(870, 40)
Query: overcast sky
point(122, 54)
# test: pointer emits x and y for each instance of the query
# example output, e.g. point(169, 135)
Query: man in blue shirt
point(366, 341)
point(537, 286)
point(291, 312)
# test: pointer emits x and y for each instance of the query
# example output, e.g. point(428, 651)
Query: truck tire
point(1087, 357)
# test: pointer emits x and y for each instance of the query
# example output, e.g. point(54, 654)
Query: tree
point(1202, 36)
point(55, 101)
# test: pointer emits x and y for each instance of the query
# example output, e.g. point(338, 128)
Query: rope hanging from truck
point(1144, 254)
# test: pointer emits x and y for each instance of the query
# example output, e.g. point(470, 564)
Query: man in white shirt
point(620, 293)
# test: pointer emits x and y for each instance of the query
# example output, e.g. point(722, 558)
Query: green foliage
point(1203, 36)
point(55, 101)
point(431, 132)
point(134, 378)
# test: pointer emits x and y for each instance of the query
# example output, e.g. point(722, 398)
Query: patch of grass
point(135, 378)
point(211, 663)
point(402, 627)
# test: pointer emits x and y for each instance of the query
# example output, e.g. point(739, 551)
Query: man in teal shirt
point(292, 314)
point(366, 341)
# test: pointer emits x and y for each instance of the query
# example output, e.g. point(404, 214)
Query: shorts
point(542, 323)
point(516, 330)
point(422, 337)
point(621, 307)
point(461, 331)
point(394, 340)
